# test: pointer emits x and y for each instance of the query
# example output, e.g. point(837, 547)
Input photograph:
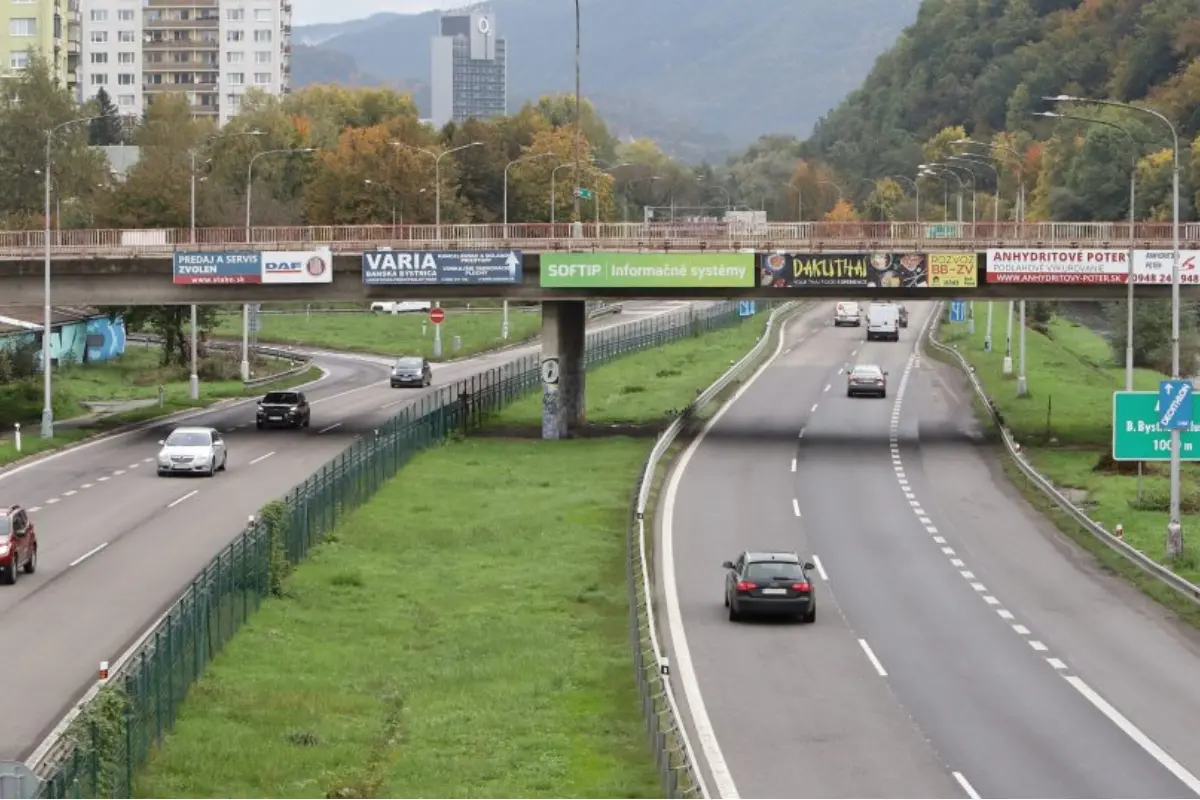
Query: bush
point(1158, 498)
point(219, 367)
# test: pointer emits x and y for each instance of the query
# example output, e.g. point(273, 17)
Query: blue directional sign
point(1175, 404)
point(958, 310)
point(746, 308)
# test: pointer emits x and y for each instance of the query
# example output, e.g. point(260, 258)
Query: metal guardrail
point(152, 678)
point(681, 773)
point(301, 361)
point(1098, 531)
point(536, 237)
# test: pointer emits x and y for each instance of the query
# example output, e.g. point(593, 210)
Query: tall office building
point(50, 27)
point(468, 68)
point(212, 51)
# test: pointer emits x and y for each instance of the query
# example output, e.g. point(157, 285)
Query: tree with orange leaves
point(842, 211)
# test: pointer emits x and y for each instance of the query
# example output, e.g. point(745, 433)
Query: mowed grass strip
point(1071, 383)
point(465, 634)
point(391, 334)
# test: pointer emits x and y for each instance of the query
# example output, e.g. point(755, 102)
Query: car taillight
point(801, 587)
point(745, 586)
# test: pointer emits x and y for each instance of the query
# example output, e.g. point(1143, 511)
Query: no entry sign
point(437, 316)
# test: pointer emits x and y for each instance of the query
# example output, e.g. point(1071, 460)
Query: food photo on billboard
point(866, 270)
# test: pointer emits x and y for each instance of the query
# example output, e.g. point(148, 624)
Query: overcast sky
point(312, 12)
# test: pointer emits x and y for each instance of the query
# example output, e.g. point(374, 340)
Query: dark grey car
point(769, 584)
point(866, 379)
point(411, 371)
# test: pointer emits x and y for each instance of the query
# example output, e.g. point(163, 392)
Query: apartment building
point(50, 27)
point(468, 68)
point(211, 51)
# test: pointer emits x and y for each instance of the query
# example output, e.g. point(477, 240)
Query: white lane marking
point(1133, 732)
point(147, 460)
point(977, 586)
point(1056, 663)
point(397, 402)
point(795, 507)
point(828, 386)
point(966, 573)
point(801, 436)
point(957, 563)
point(931, 529)
point(69, 493)
point(1021, 630)
point(118, 472)
point(948, 551)
point(263, 457)
point(88, 555)
point(87, 486)
point(134, 466)
point(814, 408)
point(192, 493)
point(966, 785)
point(52, 501)
point(939, 540)
point(35, 508)
point(102, 478)
point(793, 465)
point(820, 567)
point(1036, 645)
point(853, 352)
point(872, 658)
point(991, 601)
point(330, 427)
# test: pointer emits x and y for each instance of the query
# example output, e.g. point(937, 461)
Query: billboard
point(953, 270)
point(648, 270)
point(212, 268)
point(868, 270)
point(1059, 265)
point(302, 266)
point(1154, 266)
point(424, 267)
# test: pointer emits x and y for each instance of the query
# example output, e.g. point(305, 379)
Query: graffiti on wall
point(98, 339)
point(105, 339)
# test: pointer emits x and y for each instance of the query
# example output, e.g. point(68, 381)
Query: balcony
point(205, 23)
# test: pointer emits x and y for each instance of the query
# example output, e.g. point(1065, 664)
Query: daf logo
point(315, 266)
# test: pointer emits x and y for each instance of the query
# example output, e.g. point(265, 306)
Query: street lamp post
point(929, 173)
point(437, 214)
point(916, 189)
point(1174, 535)
point(974, 191)
point(987, 334)
point(553, 201)
point(504, 328)
point(578, 116)
point(249, 190)
point(48, 317)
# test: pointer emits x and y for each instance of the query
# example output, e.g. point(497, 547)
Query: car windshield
point(281, 398)
point(5, 525)
point(188, 439)
point(773, 571)
point(867, 372)
point(408, 363)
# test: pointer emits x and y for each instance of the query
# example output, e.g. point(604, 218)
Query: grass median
point(464, 634)
point(100, 397)
point(1065, 426)
point(391, 334)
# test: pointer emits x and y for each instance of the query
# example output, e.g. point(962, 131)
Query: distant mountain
point(701, 76)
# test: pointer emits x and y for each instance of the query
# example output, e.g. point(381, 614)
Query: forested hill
point(986, 64)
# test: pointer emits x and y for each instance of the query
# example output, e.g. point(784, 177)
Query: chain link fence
point(121, 721)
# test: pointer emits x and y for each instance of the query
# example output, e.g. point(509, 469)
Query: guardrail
point(1098, 531)
point(109, 734)
point(300, 361)
point(681, 774)
point(161, 242)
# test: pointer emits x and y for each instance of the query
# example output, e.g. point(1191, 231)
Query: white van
point(401, 307)
point(847, 314)
point(883, 322)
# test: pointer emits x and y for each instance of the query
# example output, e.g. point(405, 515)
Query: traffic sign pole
point(436, 315)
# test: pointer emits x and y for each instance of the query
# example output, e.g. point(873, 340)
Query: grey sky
point(312, 12)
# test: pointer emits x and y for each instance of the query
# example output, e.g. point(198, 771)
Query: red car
point(18, 544)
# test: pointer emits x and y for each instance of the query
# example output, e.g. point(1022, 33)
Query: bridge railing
point(609, 235)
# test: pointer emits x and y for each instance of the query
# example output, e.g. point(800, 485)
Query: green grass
point(464, 634)
point(390, 334)
point(176, 401)
point(1066, 428)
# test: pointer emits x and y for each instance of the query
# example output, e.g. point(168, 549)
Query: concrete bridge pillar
point(564, 324)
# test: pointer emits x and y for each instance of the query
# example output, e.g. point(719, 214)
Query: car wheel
point(429, 381)
point(31, 564)
point(849, 394)
point(258, 425)
point(725, 597)
point(10, 575)
point(307, 421)
point(224, 462)
point(810, 617)
point(212, 470)
point(734, 616)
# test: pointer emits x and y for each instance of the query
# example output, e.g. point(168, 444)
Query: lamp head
point(1061, 98)
point(1046, 114)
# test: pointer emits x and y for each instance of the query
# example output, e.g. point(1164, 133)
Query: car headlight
point(162, 456)
point(4, 549)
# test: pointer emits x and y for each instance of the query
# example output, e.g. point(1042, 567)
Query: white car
point(401, 307)
point(192, 450)
point(847, 313)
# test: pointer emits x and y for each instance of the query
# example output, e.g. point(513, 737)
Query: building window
point(262, 36)
point(125, 15)
point(127, 100)
point(235, 57)
point(126, 58)
point(127, 79)
point(233, 100)
point(19, 60)
point(99, 58)
point(22, 26)
point(235, 14)
point(262, 57)
point(97, 37)
point(99, 15)
point(263, 15)
point(99, 78)
point(262, 78)
point(126, 36)
point(237, 78)
point(234, 36)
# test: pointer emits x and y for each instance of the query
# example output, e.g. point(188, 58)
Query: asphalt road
point(962, 647)
point(118, 544)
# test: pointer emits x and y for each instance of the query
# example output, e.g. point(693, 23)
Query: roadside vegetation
point(1065, 422)
point(478, 649)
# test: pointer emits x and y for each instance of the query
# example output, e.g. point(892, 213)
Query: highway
point(963, 647)
point(118, 544)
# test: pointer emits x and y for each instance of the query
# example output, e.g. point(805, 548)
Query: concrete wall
point(82, 342)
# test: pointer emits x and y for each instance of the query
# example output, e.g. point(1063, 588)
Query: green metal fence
point(116, 730)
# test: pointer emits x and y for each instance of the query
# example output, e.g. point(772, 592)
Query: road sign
point(583, 194)
point(746, 308)
point(1175, 404)
point(944, 230)
point(550, 371)
point(1138, 434)
point(437, 315)
point(958, 310)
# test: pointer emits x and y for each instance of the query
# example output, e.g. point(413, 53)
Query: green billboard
point(648, 270)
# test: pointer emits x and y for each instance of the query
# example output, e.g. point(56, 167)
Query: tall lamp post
point(923, 172)
point(48, 317)
point(504, 329)
point(987, 335)
point(249, 191)
point(1174, 536)
point(194, 377)
point(578, 113)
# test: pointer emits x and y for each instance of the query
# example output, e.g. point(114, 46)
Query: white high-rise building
point(468, 68)
point(210, 50)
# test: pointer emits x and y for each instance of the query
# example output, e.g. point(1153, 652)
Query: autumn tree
point(531, 184)
point(842, 211)
point(886, 200)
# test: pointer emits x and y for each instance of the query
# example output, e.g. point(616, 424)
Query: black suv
point(283, 410)
point(769, 583)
